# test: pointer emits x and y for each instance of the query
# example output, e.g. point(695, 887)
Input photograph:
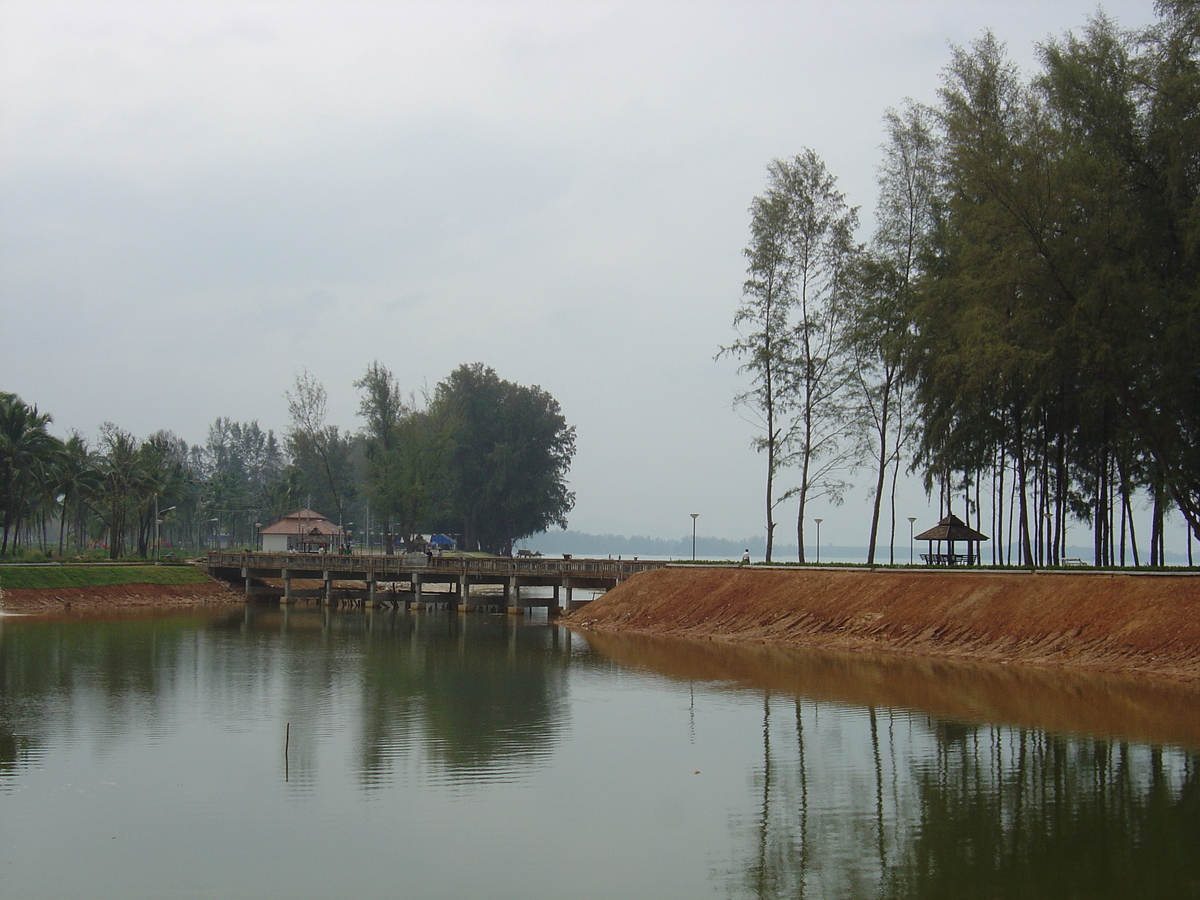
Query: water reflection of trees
point(462, 698)
point(481, 696)
point(871, 803)
point(822, 823)
point(469, 698)
point(53, 675)
point(1023, 814)
point(856, 797)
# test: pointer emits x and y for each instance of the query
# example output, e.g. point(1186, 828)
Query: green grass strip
point(96, 576)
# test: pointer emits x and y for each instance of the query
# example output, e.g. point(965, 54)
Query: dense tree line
point(1021, 327)
point(481, 458)
point(120, 494)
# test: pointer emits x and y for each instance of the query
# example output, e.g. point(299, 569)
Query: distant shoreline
point(584, 544)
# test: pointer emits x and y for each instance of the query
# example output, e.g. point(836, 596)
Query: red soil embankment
point(1147, 624)
point(32, 601)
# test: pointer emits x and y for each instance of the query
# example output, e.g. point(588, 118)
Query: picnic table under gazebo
point(950, 529)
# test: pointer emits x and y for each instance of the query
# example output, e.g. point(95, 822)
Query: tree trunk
point(879, 482)
point(62, 528)
point(770, 485)
point(1098, 516)
point(892, 505)
point(1026, 546)
point(800, 510)
point(998, 547)
point(1154, 534)
point(880, 477)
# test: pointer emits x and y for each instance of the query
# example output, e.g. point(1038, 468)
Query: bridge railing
point(359, 564)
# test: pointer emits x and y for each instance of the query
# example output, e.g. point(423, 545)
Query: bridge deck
point(358, 566)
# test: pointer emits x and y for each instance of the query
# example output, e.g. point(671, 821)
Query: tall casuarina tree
point(790, 324)
point(765, 334)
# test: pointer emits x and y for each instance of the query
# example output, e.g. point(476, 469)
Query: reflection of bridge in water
point(379, 580)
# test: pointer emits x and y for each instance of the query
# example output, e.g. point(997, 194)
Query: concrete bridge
point(411, 579)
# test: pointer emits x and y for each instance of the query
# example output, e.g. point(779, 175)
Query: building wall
point(276, 543)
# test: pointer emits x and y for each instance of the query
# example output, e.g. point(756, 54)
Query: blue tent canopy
point(441, 540)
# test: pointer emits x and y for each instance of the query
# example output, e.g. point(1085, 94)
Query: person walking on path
point(746, 556)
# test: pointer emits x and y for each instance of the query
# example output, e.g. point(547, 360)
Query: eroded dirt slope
point(1113, 622)
point(124, 596)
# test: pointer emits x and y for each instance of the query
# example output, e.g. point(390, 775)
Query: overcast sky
point(198, 200)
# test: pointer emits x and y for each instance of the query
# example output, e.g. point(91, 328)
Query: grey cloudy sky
point(198, 200)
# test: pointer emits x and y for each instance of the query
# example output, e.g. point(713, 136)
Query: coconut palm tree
point(121, 470)
point(27, 451)
point(76, 480)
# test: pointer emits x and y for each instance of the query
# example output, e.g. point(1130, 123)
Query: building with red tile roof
point(303, 530)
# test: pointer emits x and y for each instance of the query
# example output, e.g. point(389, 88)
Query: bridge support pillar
point(573, 604)
point(417, 602)
point(464, 594)
point(512, 597)
point(371, 602)
point(555, 608)
point(327, 593)
point(287, 587)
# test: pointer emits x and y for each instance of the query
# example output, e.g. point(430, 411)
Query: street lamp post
point(911, 519)
point(157, 522)
point(694, 517)
point(818, 521)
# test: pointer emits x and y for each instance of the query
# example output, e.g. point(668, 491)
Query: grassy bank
point(96, 575)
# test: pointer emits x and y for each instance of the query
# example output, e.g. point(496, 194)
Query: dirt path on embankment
point(1135, 624)
point(43, 601)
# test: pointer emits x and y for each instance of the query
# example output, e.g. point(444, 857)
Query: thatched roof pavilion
point(950, 529)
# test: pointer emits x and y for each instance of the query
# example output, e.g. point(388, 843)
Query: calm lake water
point(326, 755)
